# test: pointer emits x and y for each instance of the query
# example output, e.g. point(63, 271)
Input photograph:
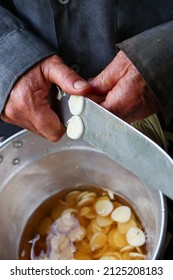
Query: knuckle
point(10, 113)
point(67, 74)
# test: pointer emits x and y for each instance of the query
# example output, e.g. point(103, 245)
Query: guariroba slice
point(85, 210)
point(76, 104)
point(125, 256)
point(103, 197)
point(119, 239)
point(115, 255)
point(98, 253)
point(91, 215)
point(85, 244)
point(103, 207)
point(110, 240)
point(81, 248)
point(98, 240)
point(124, 227)
point(135, 236)
point(67, 216)
point(127, 248)
point(121, 214)
point(75, 127)
point(94, 226)
point(82, 194)
point(108, 257)
point(137, 256)
point(104, 221)
point(86, 200)
point(111, 194)
point(78, 255)
point(139, 249)
point(71, 196)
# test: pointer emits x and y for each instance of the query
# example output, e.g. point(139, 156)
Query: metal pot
point(33, 169)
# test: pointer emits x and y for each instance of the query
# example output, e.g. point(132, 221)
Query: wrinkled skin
point(119, 88)
point(28, 105)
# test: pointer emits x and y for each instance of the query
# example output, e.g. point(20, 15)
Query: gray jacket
point(87, 34)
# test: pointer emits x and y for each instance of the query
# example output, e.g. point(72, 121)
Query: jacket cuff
point(19, 51)
point(152, 54)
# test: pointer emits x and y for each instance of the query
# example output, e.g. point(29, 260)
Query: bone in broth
point(84, 223)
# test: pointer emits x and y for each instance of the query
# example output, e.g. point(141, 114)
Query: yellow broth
point(84, 223)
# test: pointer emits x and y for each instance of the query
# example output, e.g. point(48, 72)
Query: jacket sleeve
point(19, 50)
point(152, 53)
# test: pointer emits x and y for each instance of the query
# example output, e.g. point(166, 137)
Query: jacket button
point(64, 2)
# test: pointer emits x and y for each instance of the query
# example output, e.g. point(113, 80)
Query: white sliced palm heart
point(121, 214)
point(76, 104)
point(135, 237)
point(75, 126)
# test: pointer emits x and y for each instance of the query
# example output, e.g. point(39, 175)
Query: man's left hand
point(124, 91)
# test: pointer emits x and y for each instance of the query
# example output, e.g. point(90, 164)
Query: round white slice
point(121, 214)
point(136, 255)
point(76, 104)
point(75, 127)
point(135, 237)
point(103, 207)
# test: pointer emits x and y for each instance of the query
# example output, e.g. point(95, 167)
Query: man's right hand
point(28, 105)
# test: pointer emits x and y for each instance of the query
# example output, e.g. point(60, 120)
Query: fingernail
point(80, 84)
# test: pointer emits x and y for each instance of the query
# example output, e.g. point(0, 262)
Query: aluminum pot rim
point(164, 211)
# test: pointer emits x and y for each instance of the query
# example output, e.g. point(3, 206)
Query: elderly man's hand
point(28, 105)
point(123, 91)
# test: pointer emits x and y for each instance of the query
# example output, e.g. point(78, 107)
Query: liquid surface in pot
point(84, 223)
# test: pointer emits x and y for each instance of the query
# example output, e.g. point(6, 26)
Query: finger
point(47, 123)
point(97, 98)
point(110, 76)
point(19, 119)
point(40, 122)
point(57, 72)
point(130, 103)
point(125, 98)
point(115, 106)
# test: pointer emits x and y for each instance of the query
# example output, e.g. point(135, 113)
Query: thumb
point(47, 123)
point(57, 72)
